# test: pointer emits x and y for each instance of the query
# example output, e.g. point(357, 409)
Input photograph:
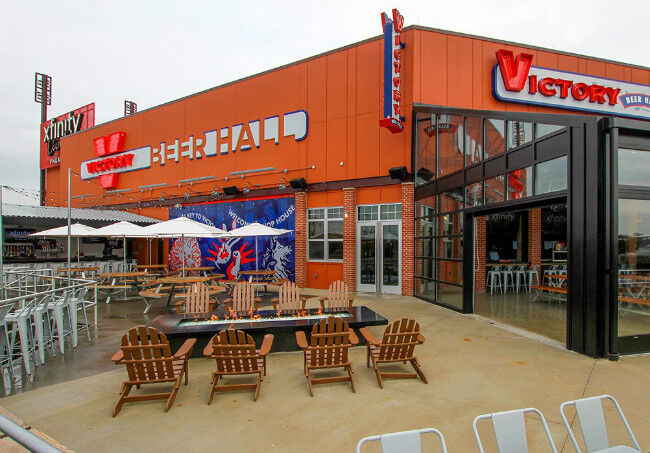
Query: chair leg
point(213, 386)
point(351, 378)
point(368, 358)
point(311, 387)
point(257, 388)
point(419, 372)
point(173, 393)
point(186, 371)
point(126, 388)
point(378, 374)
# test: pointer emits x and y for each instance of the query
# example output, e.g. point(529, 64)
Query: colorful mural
point(230, 256)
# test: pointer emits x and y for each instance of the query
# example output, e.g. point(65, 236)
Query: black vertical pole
point(43, 171)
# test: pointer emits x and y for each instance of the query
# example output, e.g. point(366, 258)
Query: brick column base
point(481, 239)
point(408, 238)
point(301, 239)
point(535, 238)
point(349, 237)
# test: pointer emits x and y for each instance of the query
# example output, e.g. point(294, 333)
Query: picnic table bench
point(551, 289)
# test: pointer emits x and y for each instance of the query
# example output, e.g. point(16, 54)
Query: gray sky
point(156, 51)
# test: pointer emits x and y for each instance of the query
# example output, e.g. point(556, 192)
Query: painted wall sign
point(392, 28)
point(517, 80)
point(56, 128)
point(229, 139)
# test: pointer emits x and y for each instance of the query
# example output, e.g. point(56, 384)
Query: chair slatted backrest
point(198, 299)
point(399, 341)
point(243, 297)
point(330, 341)
point(338, 295)
point(147, 355)
point(289, 297)
point(235, 352)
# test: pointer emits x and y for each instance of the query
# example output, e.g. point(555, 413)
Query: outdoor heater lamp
point(400, 173)
point(298, 184)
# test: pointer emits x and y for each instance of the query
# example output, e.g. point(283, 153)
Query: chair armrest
point(186, 349)
point(353, 337)
point(301, 340)
point(368, 336)
point(118, 357)
point(420, 338)
point(227, 301)
point(178, 303)
point(208, 350)
point(266, 345)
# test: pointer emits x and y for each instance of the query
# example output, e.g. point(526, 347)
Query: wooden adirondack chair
point(331, 339)
point(397, 345)
point(197, 302)
point(337, 296)
point(235, 354)
point(243, 298)
point(148, 360)
point(289, 298)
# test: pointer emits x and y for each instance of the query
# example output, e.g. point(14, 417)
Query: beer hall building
point(485, 176)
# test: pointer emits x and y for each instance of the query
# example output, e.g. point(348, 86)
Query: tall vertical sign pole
point(42, 95)
point(69, 225)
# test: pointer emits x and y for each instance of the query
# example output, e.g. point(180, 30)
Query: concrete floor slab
point(472, 367)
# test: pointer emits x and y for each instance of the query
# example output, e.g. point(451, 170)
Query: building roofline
point(358, 43)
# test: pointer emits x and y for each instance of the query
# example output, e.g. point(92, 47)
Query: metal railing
point(26, 438)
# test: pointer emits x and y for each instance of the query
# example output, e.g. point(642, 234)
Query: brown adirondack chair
point(337, 297)
point(289, 298)
point(243, 298)
point(148, 360)
point(197, 302)
point(397, 345)
point(331, 339)
point(235, 354)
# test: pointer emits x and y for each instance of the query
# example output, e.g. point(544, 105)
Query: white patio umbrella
point(181, 227)
point(122, 230)
point(254, 230)
point(76, 230)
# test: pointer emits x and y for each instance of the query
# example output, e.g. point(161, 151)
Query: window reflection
point(633, 167)
point(473, 140)
point(520, 183)
point(450, 143)
point(495, 190)
point(519, 133)
point(494, 137)
point(551, 176)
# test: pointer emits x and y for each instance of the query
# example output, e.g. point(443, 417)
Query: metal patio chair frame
point(403, 441)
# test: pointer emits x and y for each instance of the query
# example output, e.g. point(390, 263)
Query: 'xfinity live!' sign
point(516, 80)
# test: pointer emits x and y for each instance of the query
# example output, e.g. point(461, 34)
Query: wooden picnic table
point(258, 276)
point(176, 283)
point(121, 281)
point(199, 270)
point(78, 270)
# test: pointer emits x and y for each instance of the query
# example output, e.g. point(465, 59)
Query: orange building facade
point(316, 119)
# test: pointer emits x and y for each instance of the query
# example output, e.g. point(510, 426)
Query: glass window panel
point(633, 167)
point(450, 295)
point(494, 137)
point(545, 129)
point(494, 190)
point(334, 213)
point(520, 183)
point(551, 176)
point(634, 267)
point(426, 207)
point(450, 224)
point(519, 133)
point(474, 195)
point(425, 288)
point(450, 271)
point(425, 268)
point(316, 250)
point(452, 200)
point(316, 214)
point(335, 229)
point(473, 140)
point(426, 148)
point(450, 144)
point(390, 211)
point(368, 212)
point(335, 250)
point(316, 230)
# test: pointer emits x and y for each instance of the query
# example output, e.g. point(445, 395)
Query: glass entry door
point(379, 250)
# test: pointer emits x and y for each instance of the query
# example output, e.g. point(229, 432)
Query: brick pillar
point(481, 238)
point(535, 238)
point(301, 239)
point(408, 238)
point(349, 237)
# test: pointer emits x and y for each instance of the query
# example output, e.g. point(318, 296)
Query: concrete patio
point(473, 367)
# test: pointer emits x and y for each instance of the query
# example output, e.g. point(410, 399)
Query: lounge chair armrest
point(185, 350)
point(118, 357)
point(209, 350)
point(228, 301)
point(266, 344)
point(301, 339)
point(420, 338)
point(353, 337)
point(368, 336)
point(179, 302)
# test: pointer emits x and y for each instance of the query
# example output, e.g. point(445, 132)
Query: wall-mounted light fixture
point(231, 190)
point(400, 173)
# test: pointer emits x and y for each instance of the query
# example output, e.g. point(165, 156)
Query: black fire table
point(178, 328)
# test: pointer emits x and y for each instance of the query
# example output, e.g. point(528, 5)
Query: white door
point(379, 257)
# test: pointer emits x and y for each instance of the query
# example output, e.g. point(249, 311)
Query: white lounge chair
point(403, 442)
point(510, 430)
point(593, 428)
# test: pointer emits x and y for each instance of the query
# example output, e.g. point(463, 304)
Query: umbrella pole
point(78, 251)
point(149, 241)
point(124, 252)
point(256, 267)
